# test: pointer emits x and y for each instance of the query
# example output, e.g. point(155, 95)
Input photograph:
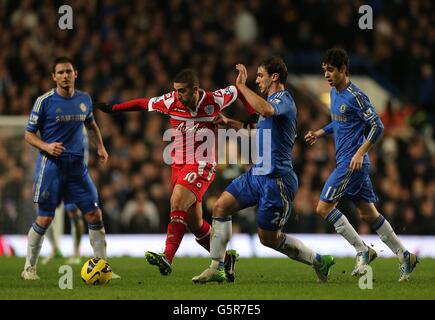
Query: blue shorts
point(66, 179)
point(354, 184)
point(70, 207)
point(273, 196)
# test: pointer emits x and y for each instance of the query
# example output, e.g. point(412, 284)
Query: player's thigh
point(242, 192)
point(82, 191)
point(47, 186)
point(182, 198)
point(336, 184)
point(226, 205)
point(275, 203)
point(196, 178)
point(362, 191)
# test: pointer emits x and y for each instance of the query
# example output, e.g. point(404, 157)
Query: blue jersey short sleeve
point(37, 115)
point(282, 103)
point(90, 115)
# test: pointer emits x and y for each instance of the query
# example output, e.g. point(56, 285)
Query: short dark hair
point(188, 76)
point(275, 65)
point(60, 60)
point(336, 57)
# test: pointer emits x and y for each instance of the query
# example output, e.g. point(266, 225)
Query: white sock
point(343, 227)
point(35, 238)
point(220, 236)
point(387, 235)
point(77, 228)
point(97, 238)
point(297, 250)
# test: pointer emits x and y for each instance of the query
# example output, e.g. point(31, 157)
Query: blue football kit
point(60, 119)
point(351, 114)
point(271, 183)
point(72, 206)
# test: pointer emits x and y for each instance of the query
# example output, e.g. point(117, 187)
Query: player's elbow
point(27, 136)
point(267, 111)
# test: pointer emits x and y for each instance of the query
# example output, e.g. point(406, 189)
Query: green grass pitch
point(256, 279)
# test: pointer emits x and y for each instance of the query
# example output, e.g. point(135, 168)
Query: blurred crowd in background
point(130, 49)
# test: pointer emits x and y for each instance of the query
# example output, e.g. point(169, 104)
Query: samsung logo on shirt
point(338, 117)
point(73, 117)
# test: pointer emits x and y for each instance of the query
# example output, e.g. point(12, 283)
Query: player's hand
point(221, 120)
point(311, 138)
point(243, 74)
point(102, 154)
point(105, 107)
point(54, 149)
point(356, 162)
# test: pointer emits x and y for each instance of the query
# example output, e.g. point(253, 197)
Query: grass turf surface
point(256, 278)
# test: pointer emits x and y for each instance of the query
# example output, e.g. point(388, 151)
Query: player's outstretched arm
point(105, 107)
point(312, 136)
point(226, 122)
point(130, 105)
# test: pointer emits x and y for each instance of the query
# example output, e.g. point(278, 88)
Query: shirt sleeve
point(37, 115)
point(329, 128)
point(90, 116)
point(162, 103)
point(225, 97)
point(282, 104)
point(368, 114)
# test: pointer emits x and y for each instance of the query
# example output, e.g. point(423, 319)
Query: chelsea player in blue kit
point(61, 174)
point(351, 114)
point(76, 222)
point(271, 183)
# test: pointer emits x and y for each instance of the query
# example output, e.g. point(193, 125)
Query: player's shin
point(202, 235)
point(97, 238)
point(175, 233)
point(220, 236)
point(297, 250)
point(35, 238)
point(387, 235)
point(52, 238)
point(77, 229)
point(343, 227)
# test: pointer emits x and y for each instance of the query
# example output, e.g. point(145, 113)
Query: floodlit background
point(130, 49)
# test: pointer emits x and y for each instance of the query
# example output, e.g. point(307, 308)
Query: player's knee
point(178, 204)
point(322, 210)
point(219, 209)
point(93, 216)
point(368, 216)
point(268, 242)
point(44, 221)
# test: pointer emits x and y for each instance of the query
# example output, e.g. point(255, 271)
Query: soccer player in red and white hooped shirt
point(192, 111)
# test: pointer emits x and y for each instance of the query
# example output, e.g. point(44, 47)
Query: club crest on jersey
point(209, 109)
point(83, 107)
point(342, 108)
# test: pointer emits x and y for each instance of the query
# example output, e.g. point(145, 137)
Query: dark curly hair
point(336, 57)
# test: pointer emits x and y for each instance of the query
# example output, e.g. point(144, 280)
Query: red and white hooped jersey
point(192, 126)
